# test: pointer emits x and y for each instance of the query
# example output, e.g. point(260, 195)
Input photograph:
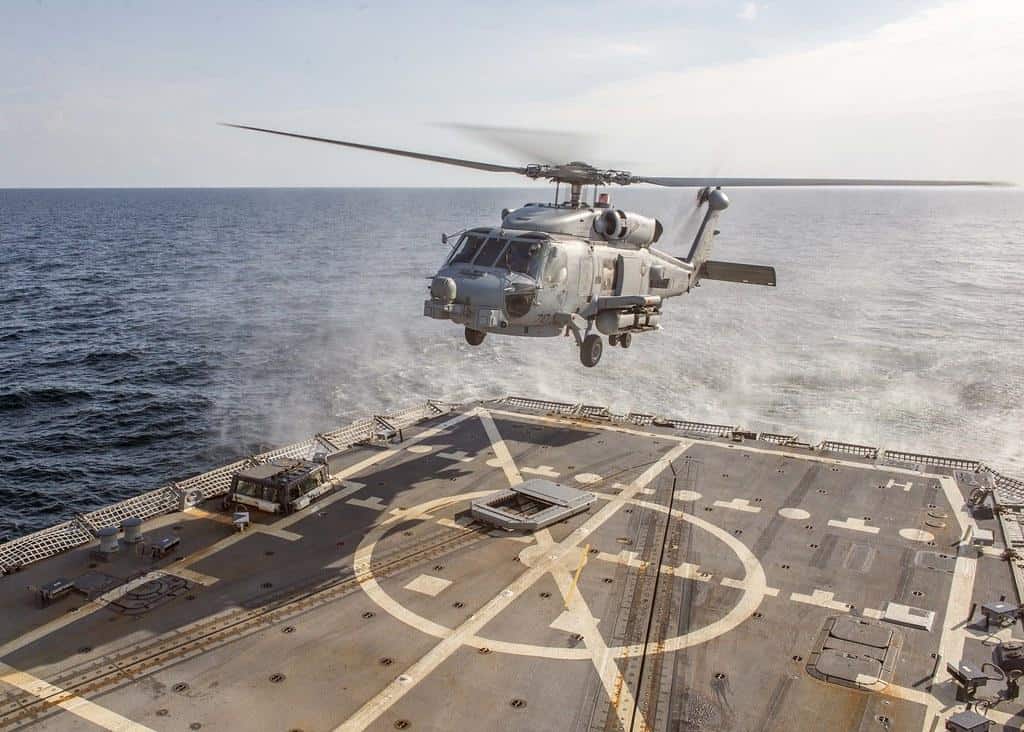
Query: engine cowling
point(630, 228)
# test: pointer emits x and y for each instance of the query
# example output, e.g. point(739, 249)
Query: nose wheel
point(590, 350)
point(474, 337)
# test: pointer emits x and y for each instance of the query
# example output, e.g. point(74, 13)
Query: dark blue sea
point(149, 335)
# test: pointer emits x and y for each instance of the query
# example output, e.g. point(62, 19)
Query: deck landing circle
point(754, 585)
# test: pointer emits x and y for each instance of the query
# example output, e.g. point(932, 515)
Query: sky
point(122, 93)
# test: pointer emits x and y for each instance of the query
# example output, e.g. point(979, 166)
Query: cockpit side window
point(555, 270)
point(524, 256)
point(467, 248)
point(489, 252)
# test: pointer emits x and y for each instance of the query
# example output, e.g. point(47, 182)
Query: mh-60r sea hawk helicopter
point(583, 268)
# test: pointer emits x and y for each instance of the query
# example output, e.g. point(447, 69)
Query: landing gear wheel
point(625, 340)
point(613, 340)
point(590, 351)
point(474, 337)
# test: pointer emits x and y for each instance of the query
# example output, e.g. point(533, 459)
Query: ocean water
point(148, 335)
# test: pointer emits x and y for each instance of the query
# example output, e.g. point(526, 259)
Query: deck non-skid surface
point(689, 597)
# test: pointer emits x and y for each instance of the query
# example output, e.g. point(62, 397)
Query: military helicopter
point(585, 268)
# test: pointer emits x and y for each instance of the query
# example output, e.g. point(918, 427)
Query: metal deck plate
point(691, 596)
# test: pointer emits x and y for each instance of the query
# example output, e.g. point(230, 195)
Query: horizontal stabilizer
point(748, 274)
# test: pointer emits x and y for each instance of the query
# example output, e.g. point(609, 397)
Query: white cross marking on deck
point(952, 638)
point(457, 455)
point(905, 486)
point(544, 471)
point(374, 503)
point(56, 696)
point(739, 504)
point(821, 598)
point(585, 623)
point(452, 640)
point(854, 524)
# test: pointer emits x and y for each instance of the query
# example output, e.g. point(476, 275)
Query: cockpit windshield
point(526, 254)
point(468, 246)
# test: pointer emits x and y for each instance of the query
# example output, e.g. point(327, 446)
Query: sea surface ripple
point(149, 335)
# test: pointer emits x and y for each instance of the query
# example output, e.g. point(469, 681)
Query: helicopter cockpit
point(522, 253)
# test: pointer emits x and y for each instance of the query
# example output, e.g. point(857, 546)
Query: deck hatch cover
point(861, 631)
point(531, 505)
point(855, 652)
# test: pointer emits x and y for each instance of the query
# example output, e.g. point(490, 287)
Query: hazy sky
point(128, 93)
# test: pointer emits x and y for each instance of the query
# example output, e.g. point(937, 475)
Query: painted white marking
point(544, 471)
point(905, 486)
point(687, 496)
point(569, 622)
point(689, 571)
point(725, 446)
point(426, 584)
point(647, 491)
point(520, 539)
point(374, 503)
point(56, 696)
point(348, 488)
point(917, 535)
point(460, 456)
point(797, 514)
point(274, 531)
point(854, 524)
point(739, 504)
point(419, 449)
point(628, 558)
point(588, 478)
point(341, 478)
point(452, 640)
point(961, 591)
point(821, 598)
point(501, 453)
point(602, 656)
point(742, 585)
point(192, 576)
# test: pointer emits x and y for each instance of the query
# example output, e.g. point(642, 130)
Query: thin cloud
point(748, 12)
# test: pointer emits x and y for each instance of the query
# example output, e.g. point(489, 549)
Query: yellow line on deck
point(576, 577)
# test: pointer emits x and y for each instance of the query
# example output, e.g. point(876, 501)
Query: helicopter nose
point(443, 289)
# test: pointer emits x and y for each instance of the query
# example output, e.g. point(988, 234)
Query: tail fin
point(704, 268)
point(701, 247)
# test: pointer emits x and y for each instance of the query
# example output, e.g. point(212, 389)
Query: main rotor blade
point(490, 167)
point(540, 146)
point(778, 182)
